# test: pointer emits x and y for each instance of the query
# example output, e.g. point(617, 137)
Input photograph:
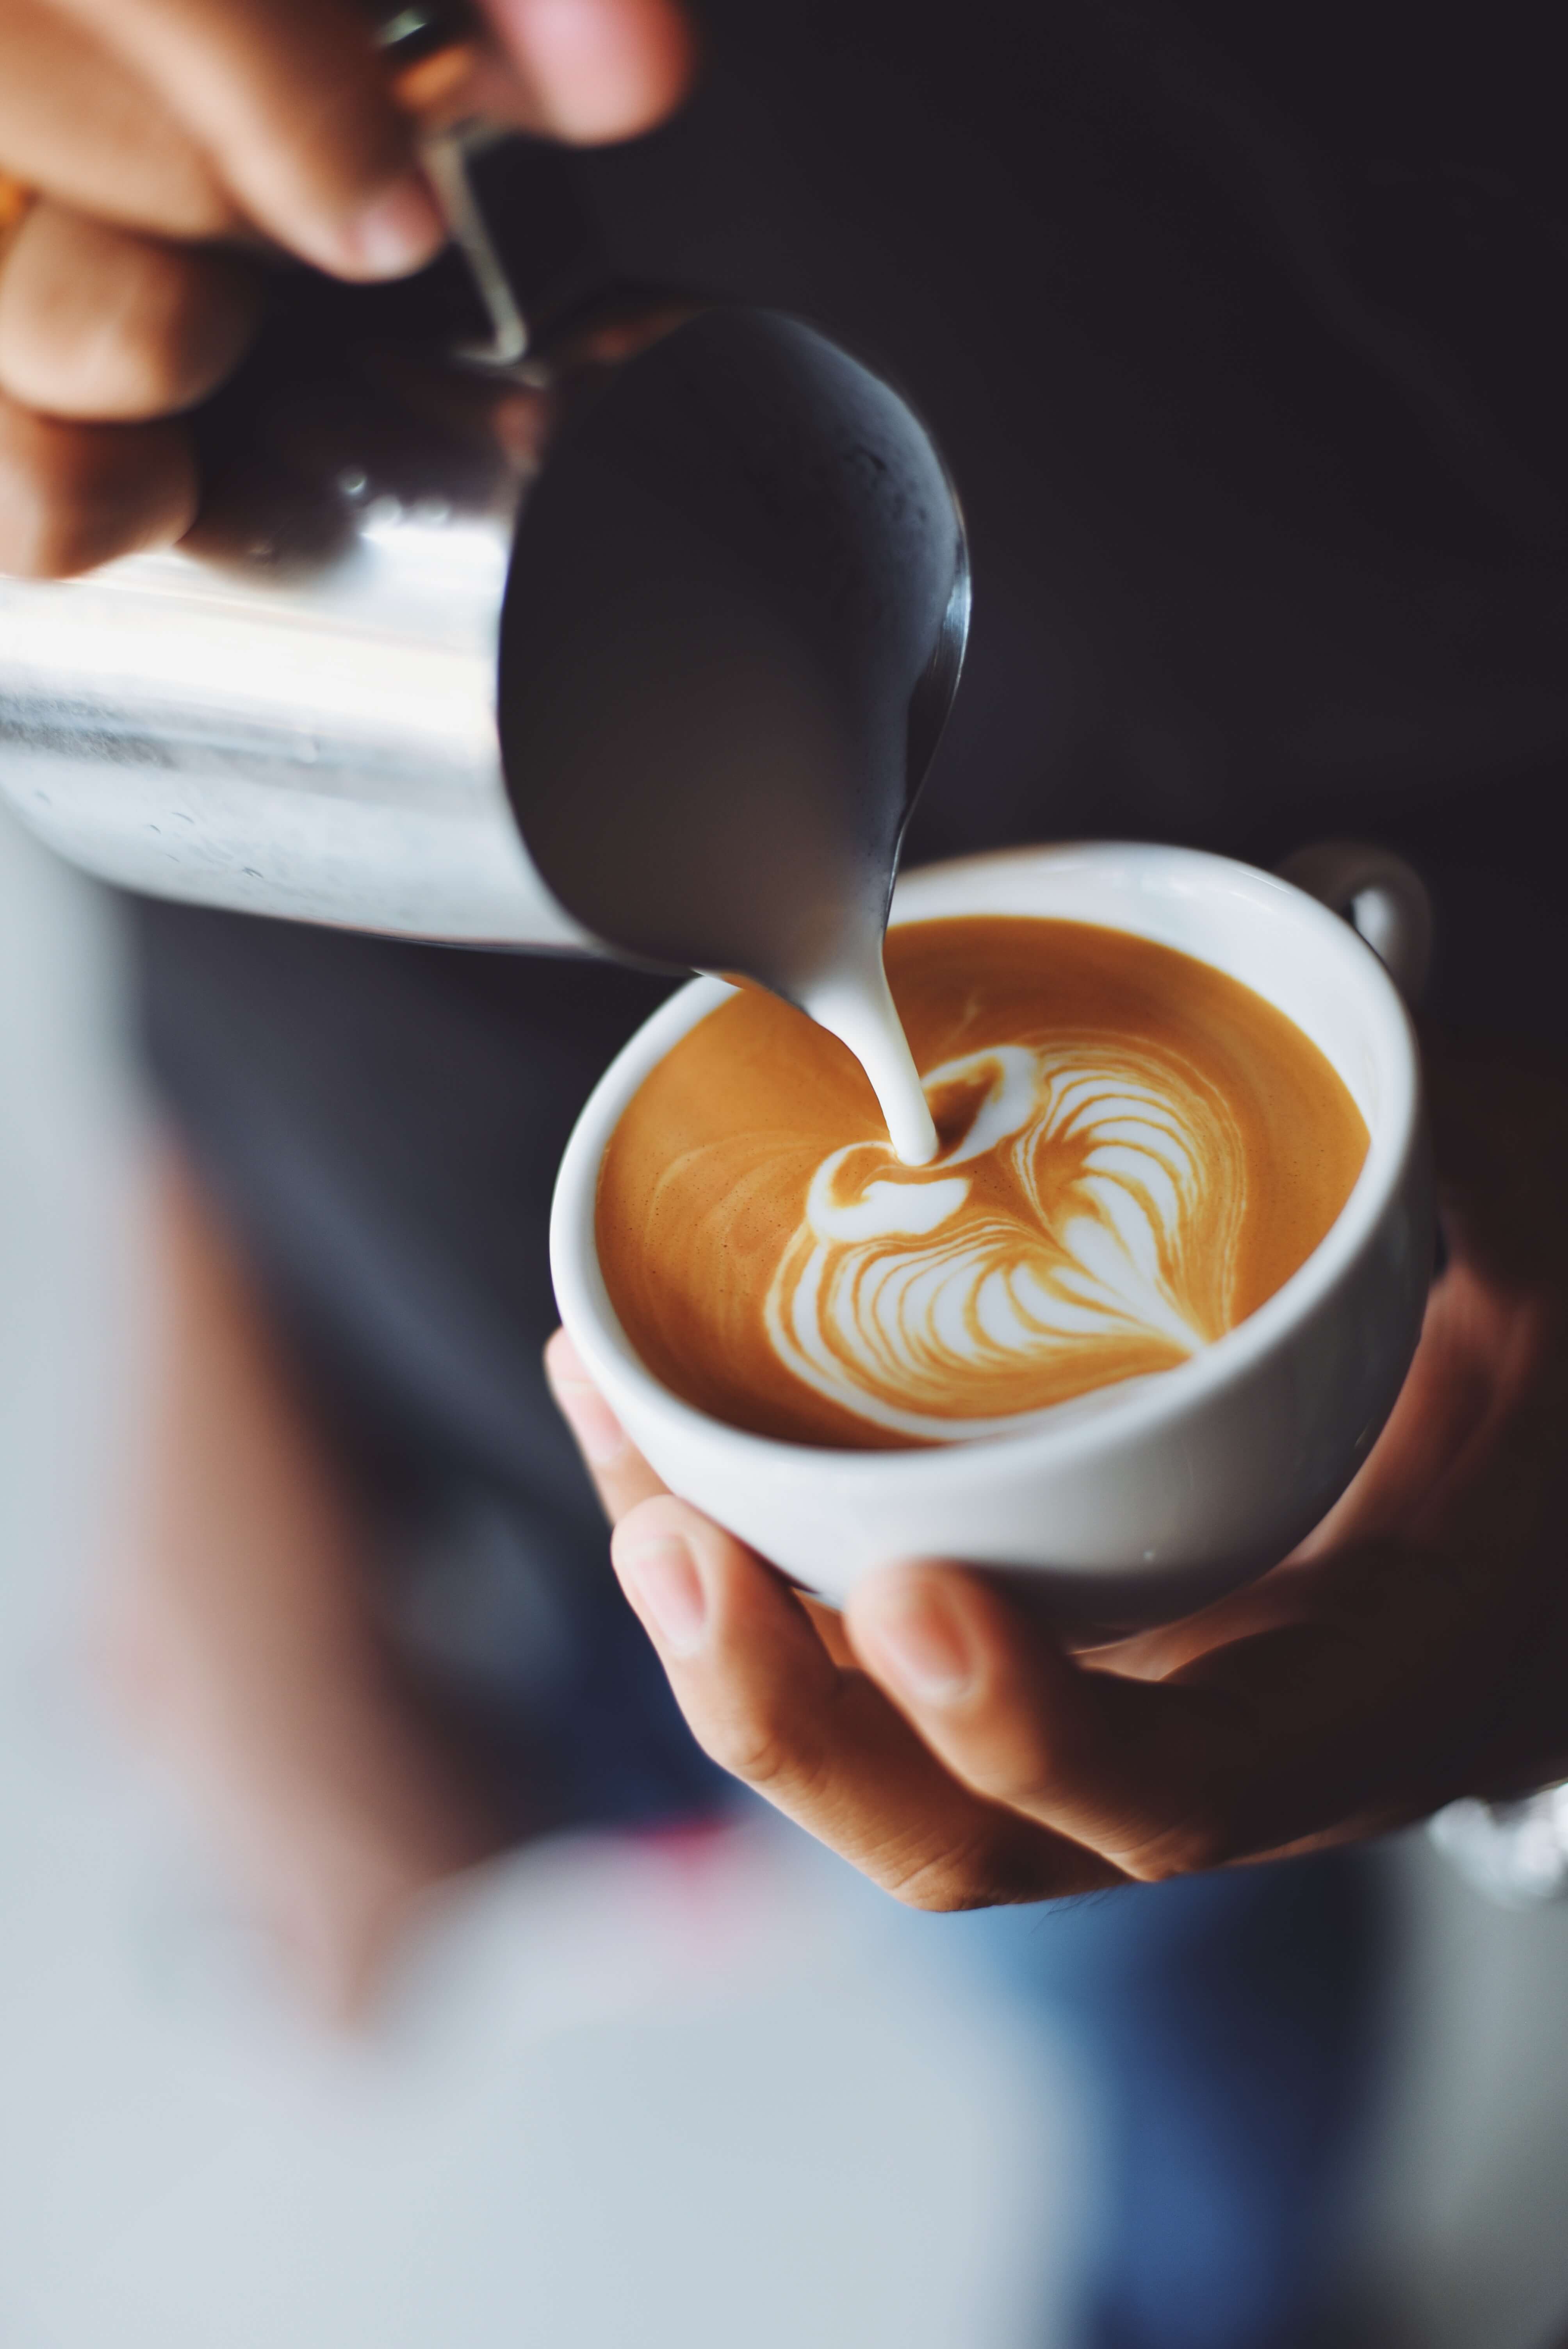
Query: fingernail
point(601, 1438)
point(397, 232)
point(661, 1579)
point(921, 1645)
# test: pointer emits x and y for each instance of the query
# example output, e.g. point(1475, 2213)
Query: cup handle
point(1379, 896)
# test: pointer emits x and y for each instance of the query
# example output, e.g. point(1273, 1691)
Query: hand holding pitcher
point(148, 149)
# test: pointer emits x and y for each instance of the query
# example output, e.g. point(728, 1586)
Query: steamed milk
point(1133, 1152)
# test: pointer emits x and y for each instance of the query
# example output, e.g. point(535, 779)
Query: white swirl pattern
point(1082, 1230)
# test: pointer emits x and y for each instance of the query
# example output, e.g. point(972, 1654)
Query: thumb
point(1137, 1771)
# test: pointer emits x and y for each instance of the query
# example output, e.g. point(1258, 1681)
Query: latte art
point(1135, 1151)
point(1108, 1228)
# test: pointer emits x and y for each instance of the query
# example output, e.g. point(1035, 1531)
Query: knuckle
point(1023, 1777)
point(754, 1745)
point(1017, 1757)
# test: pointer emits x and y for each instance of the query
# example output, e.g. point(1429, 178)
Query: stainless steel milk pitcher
point(641, 647)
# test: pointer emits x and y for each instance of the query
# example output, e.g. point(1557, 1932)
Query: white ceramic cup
point(1129, 1506)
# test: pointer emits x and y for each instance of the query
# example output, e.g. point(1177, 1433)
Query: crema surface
point(1136, 1151)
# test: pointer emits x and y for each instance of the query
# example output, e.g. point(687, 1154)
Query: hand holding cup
point(955, 1730)
point(942, 1736)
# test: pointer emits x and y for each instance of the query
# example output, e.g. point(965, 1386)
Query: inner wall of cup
point(1308, 963)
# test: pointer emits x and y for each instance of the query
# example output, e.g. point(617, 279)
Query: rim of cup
point(1107, 1417)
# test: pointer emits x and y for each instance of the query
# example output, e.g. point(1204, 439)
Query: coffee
point(1136, 1151)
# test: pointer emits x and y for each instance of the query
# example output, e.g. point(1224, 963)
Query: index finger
point(290, 103)
point(621, 1477)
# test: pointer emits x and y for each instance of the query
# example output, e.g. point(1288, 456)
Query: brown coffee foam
point(703, 1190)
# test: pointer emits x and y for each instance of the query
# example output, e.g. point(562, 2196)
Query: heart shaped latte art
point(1078, 1228)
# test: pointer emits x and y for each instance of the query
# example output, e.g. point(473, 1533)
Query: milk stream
point(854, 1004)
